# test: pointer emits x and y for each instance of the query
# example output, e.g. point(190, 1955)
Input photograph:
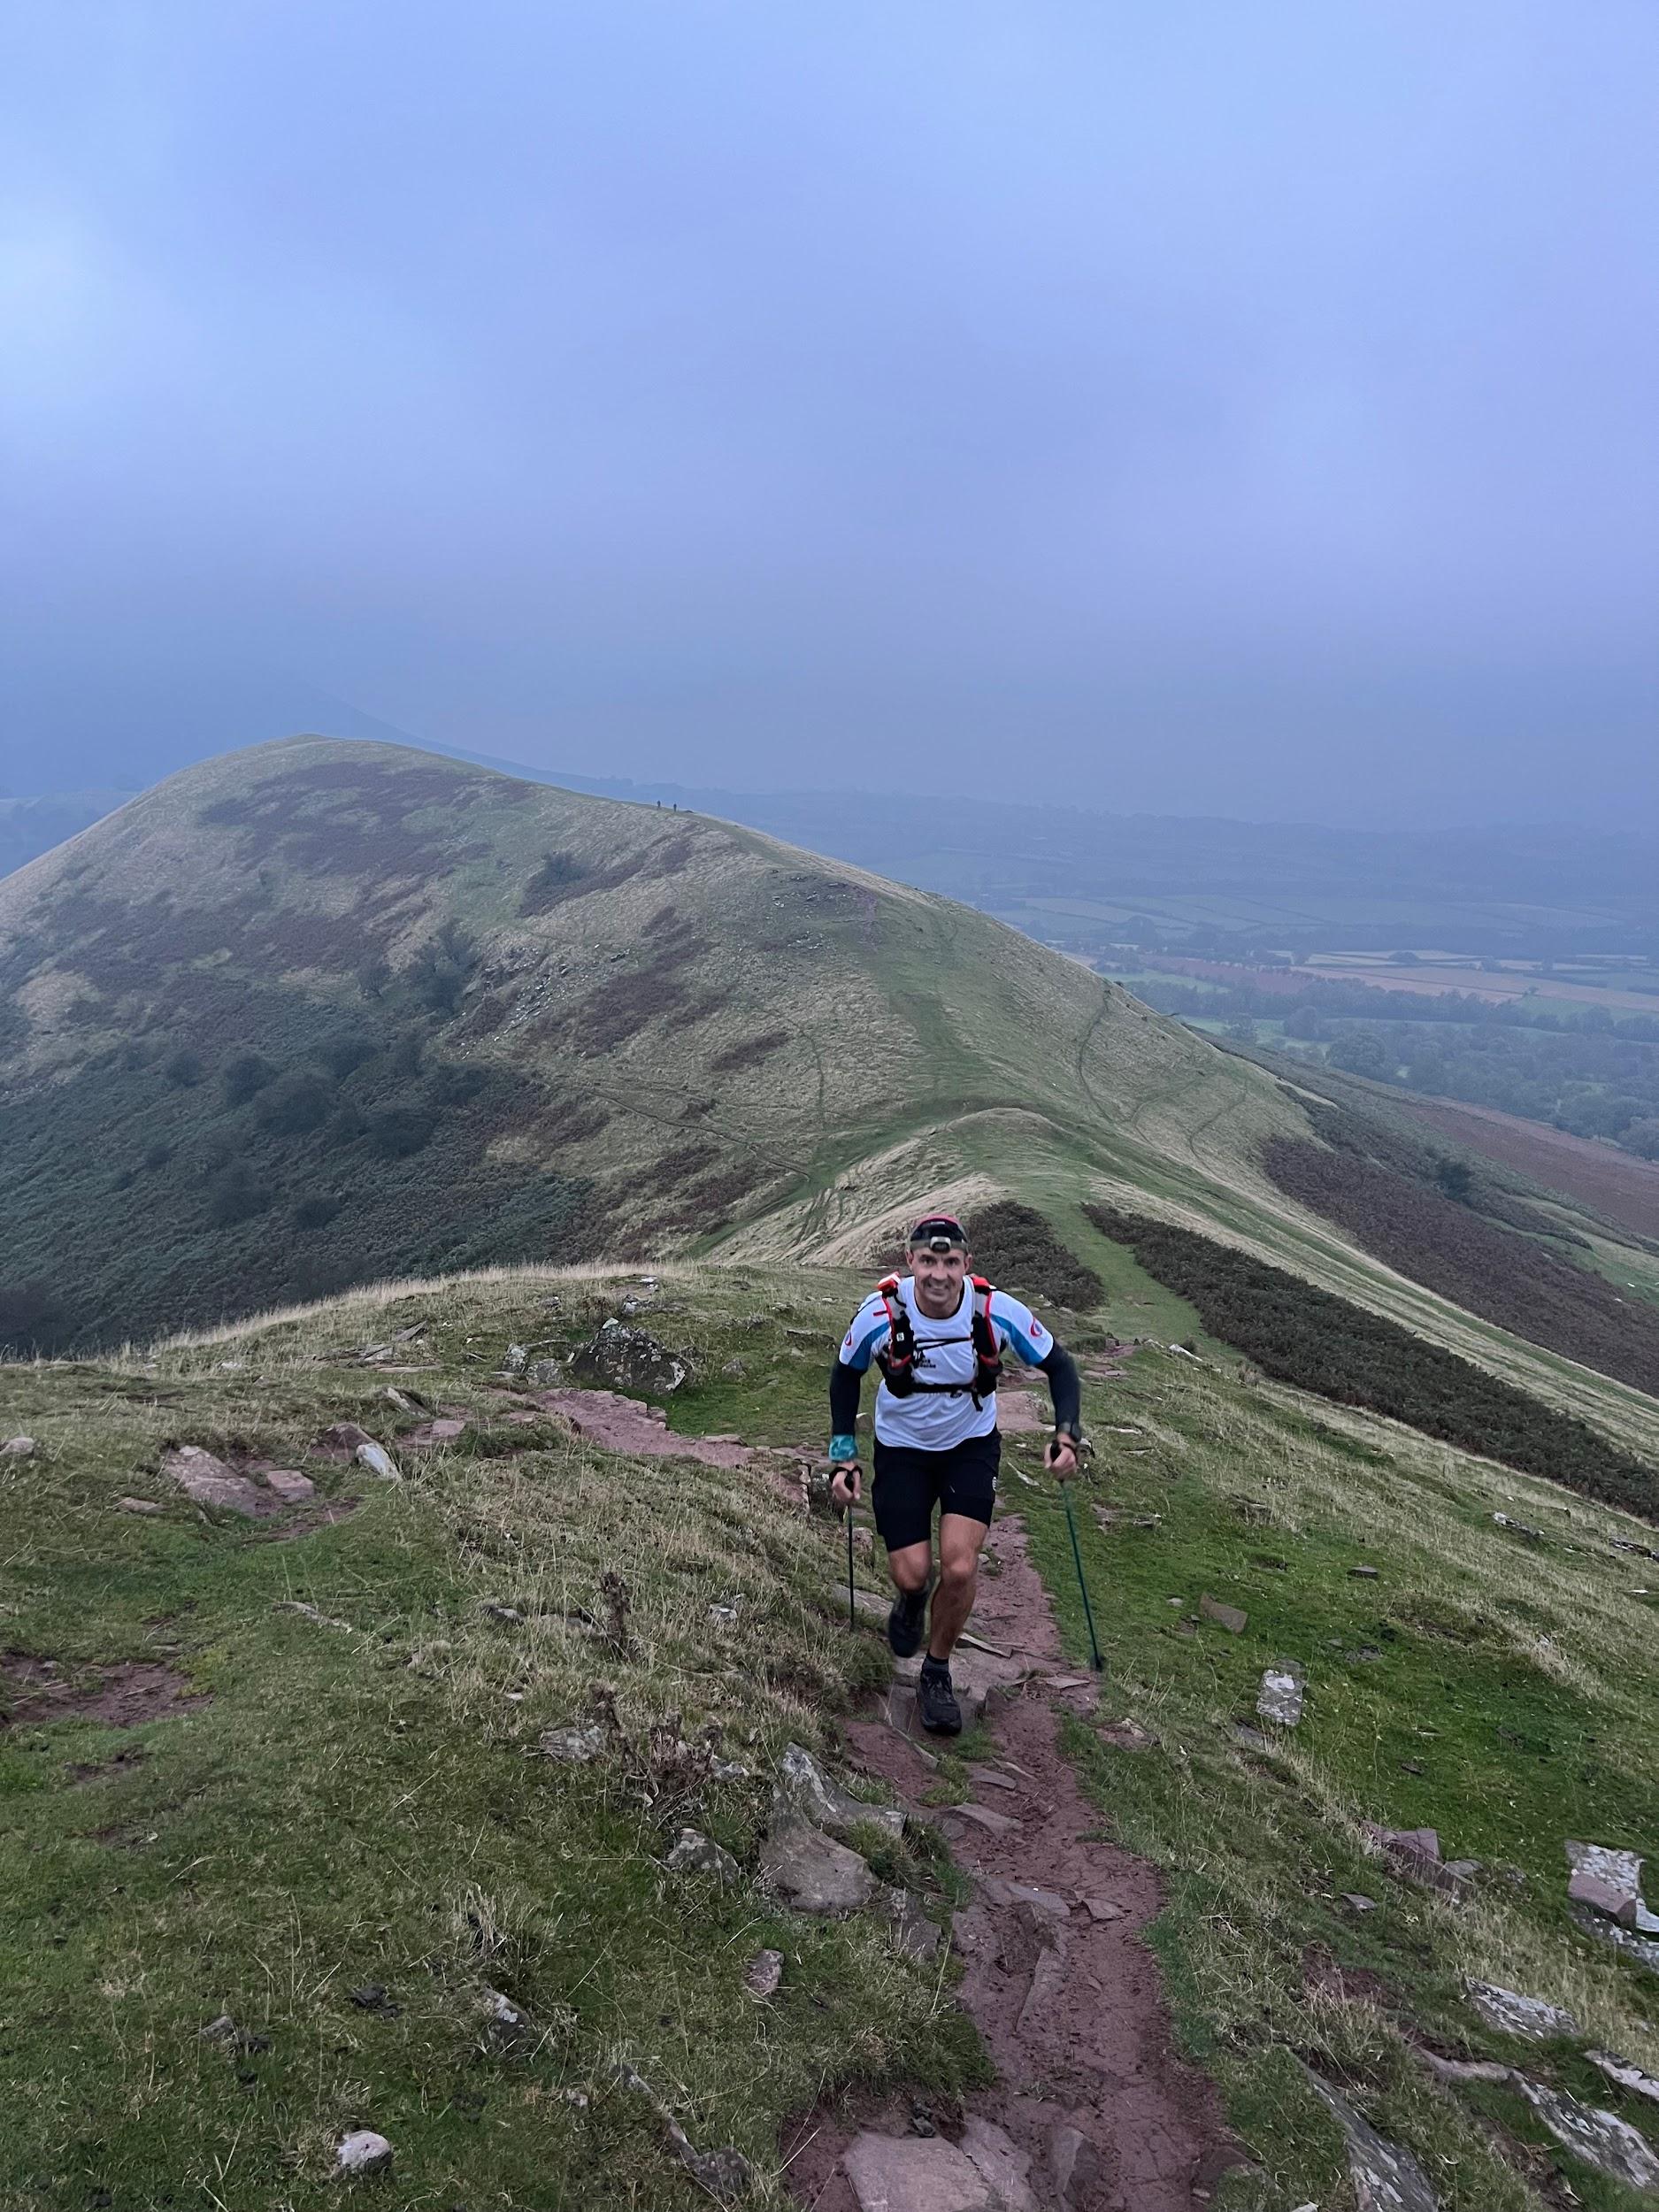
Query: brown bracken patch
point(123, 1695)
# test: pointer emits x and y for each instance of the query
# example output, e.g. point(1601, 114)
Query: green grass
point(360, 1810)
point(1516, 1679)
point(352, 1809)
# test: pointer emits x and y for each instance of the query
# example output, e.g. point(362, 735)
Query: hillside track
point(1067, 1996)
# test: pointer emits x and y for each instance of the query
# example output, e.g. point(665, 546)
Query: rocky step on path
point(1093, 2108)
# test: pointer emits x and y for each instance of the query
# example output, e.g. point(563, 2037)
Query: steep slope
point(320, 1012)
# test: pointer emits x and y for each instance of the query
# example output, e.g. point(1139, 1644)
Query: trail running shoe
point(937, 1701)
point(905, 1623)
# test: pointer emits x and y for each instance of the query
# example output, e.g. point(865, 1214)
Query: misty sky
point(1202, 408)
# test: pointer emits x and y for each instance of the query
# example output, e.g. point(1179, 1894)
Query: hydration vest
point(900, 1357)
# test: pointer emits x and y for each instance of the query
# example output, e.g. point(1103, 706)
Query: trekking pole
point(852, 1608)
point(1097, 1662)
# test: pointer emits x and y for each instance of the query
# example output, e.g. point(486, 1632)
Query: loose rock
point(1512, 2013)
point(806, 1791)
point(1385, 2178)
point(981, 1817)
point(574, 1746)
point(908, 2173)
point(1627, 2076)
point(17, 1447)
point(1600, 2138)
point(914, 1934)
point(1006, 2168)
point(1227, 1616)
point(1280, 1698)
point(764, 1974)
point(1610, 1880)
point(140, 1505)
point(725, 2173)
point(630, 1360)
point(363, 2152)
point(1518, 1528)
point(378, 1460)
point(1415, 1854)
point(291, 1486)
point(813, 1873)
point(1127, 1735)
point(694, 1854)
point(1074, 2164)
point(208, 1481)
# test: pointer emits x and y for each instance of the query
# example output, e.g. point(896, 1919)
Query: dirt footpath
point(1092, 2108)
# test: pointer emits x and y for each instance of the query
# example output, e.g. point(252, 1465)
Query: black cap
point(939, 1232)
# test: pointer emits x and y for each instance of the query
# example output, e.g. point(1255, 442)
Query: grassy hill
point(277, 1779)
point(322, 1012)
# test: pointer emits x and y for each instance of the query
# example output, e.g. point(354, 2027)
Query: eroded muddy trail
point(1092, 2107)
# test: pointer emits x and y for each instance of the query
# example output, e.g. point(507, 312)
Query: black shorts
point(909, 1484)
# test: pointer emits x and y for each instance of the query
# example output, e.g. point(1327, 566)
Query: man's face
point(939, 1278)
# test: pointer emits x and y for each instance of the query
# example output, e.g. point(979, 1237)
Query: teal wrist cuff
point(843, 1448)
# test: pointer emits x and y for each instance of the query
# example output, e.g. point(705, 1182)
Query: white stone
point(694, 1854)
point(378, 1460)
point(1627, 2076)
point(363, 2152)
point(17, 1447)
point(1280, 1698)
point(1600, 2138)
point(1512, 2013)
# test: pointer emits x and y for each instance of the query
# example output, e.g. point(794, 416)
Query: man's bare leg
point(960, 1537)
point(910, 1566)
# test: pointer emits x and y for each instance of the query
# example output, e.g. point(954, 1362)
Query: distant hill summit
point(321, 1011)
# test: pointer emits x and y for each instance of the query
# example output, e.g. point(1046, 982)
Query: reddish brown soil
point(628, 1424)
point(1071, 2006)
point(119, 1696)
point(1620, 1186)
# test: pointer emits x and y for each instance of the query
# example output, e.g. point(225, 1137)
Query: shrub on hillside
point(31, 1315)
point(397, 1130)
point(157, 1156)
point(244, 1077)
point(343, 1054)
point(1014, 1244)
point(236, 1193)
point(315, 1213)
point(1428, 1232)
point(555, 878)
point(184, 1069)
point(438, 973)
point(453, 1085)
point(1323, 1343)
point(297, 1103)
point(1642, 1139)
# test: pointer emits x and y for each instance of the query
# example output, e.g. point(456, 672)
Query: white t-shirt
point(933, 1421)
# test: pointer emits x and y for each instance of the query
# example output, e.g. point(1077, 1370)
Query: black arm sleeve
point(1065, 1388)
point(846, 1386)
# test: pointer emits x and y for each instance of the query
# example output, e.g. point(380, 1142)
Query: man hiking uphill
point(939, 1336)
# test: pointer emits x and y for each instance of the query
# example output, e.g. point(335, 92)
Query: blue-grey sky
point(1193, 406)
